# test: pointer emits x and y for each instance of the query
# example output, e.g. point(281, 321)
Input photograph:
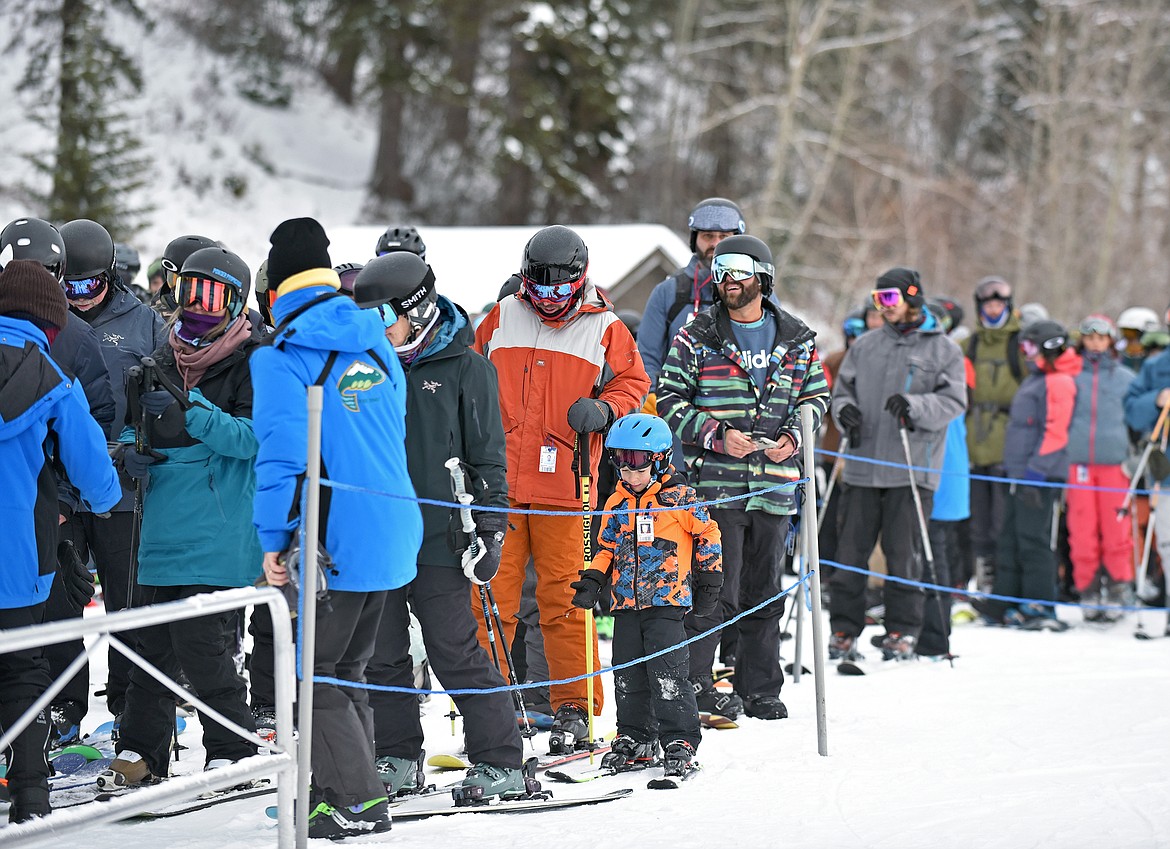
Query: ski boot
point(678, 759)
point(265, 718)
point(220, 763)
point(711, 700)
point(842, 646)
point(627, 754)
point(127, 770)
point(486, 780)
point(336, 823)
point(401, 776)
point(765, 707)
point(896, 646)
point(1040, 618)
point(570, 730)
point(65, 724)
point(28, 803)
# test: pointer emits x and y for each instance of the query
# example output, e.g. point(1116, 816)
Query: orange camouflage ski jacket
point(651, 552)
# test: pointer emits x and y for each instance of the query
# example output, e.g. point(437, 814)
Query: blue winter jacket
point(374, 536)
point(655, 333)
point(1141, 406)
point(952, 498)
point(1097, 434)
point(35, 397)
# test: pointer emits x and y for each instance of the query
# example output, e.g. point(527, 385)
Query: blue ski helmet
point(641, 432)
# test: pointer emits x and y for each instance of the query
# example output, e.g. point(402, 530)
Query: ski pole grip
point(461, 494)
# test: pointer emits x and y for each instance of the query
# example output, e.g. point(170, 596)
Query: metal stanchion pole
point(309, 613)
point(813, 560)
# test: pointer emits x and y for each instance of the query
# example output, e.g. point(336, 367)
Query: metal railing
point(282, 761)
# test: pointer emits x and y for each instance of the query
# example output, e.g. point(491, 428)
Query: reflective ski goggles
point(853, 327)
point(86, 288)
point(554, 292)
point(993, 290)
point(347, 277)
point(389, 317)
point(738, 267)
point(1099, 325)
point(631, 458)
point(1032, 350)
point(210, 295)
point(886, 298)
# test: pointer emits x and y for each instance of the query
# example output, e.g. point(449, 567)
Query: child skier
point(650, 550)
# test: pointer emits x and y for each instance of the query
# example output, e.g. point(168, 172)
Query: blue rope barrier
point(977, 594)
point(992, 478)
point(388, 688)
point(434, 502)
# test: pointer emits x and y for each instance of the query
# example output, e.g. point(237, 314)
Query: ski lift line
point(990, 478)
point(481, 508)
point(387, 688)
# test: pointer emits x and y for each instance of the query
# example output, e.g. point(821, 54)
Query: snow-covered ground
point(1032, 739)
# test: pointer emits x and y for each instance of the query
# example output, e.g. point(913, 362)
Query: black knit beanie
point(27, 289)
point(298, 244)
point(908, 281)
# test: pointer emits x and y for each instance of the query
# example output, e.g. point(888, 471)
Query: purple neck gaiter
point(192, 327)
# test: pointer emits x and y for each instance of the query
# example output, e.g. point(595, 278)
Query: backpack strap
point(683, 288)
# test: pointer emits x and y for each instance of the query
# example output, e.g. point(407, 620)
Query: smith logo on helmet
point(415, 299)
point(359, 377)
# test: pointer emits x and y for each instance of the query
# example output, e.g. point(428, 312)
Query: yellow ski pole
point(586, 479)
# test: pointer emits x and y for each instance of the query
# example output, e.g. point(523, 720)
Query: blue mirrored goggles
point(553, 293)
point(389, 317)
point(738, 267)
point(854, 327)
point(89, 287)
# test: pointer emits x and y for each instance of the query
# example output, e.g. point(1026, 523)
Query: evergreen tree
point(81, 81)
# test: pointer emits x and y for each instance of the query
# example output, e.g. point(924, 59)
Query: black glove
point(482, 565)
point(849, 417)
point(156, 403)
point(705, 592)
point(588, 415)
point(898, 406)
point(132, 464)
point(74, 577)
point(588, 588)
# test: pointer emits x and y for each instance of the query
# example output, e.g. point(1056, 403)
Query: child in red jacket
point(663, 562)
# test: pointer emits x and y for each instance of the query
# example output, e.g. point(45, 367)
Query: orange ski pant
point(555, 545)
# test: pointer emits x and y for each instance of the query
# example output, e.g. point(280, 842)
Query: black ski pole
point(927, 551)
point(529, 731)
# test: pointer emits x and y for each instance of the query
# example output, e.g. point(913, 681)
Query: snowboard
point(717, 721)
point(519, 806)
point(539, 721)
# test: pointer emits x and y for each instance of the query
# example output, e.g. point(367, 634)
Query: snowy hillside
point(1033, 739)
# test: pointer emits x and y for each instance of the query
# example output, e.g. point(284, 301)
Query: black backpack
point(683, 288)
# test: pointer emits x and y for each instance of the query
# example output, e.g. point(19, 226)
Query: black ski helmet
point(400, 239)
point(174, 255)
point(757, 250)
point(554, 256)
point(347, 272)
point(403, 281)
point(89, 250)
point(225, 267)
point(954, 310)
point(127, 262)
point(715, 214)
point(1049, 337)
point(263, 301)
point(36, 239)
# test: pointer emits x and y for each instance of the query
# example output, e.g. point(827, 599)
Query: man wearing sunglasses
point(127, 330)
point(567, 366)
point(905, 375)
point(994, 351)
point(731, 389)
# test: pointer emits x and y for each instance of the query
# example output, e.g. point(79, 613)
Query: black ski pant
point(107, 541)
point(24, 676)
point(262, 660)
point(988, 502)
point(936, 621)
point(438, 597)
point(654, 698)
point(868, 513)
point(204, 649)
point(343, 724)
point(1026, 565)
point(753, 571)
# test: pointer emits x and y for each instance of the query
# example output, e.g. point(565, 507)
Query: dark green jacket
point(703, 390)
point(995, 387)
point(453, 410)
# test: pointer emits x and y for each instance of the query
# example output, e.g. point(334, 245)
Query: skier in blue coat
point(44, 418)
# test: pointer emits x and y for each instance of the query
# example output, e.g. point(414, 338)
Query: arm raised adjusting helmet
point(35, 239)
point(553, 271)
